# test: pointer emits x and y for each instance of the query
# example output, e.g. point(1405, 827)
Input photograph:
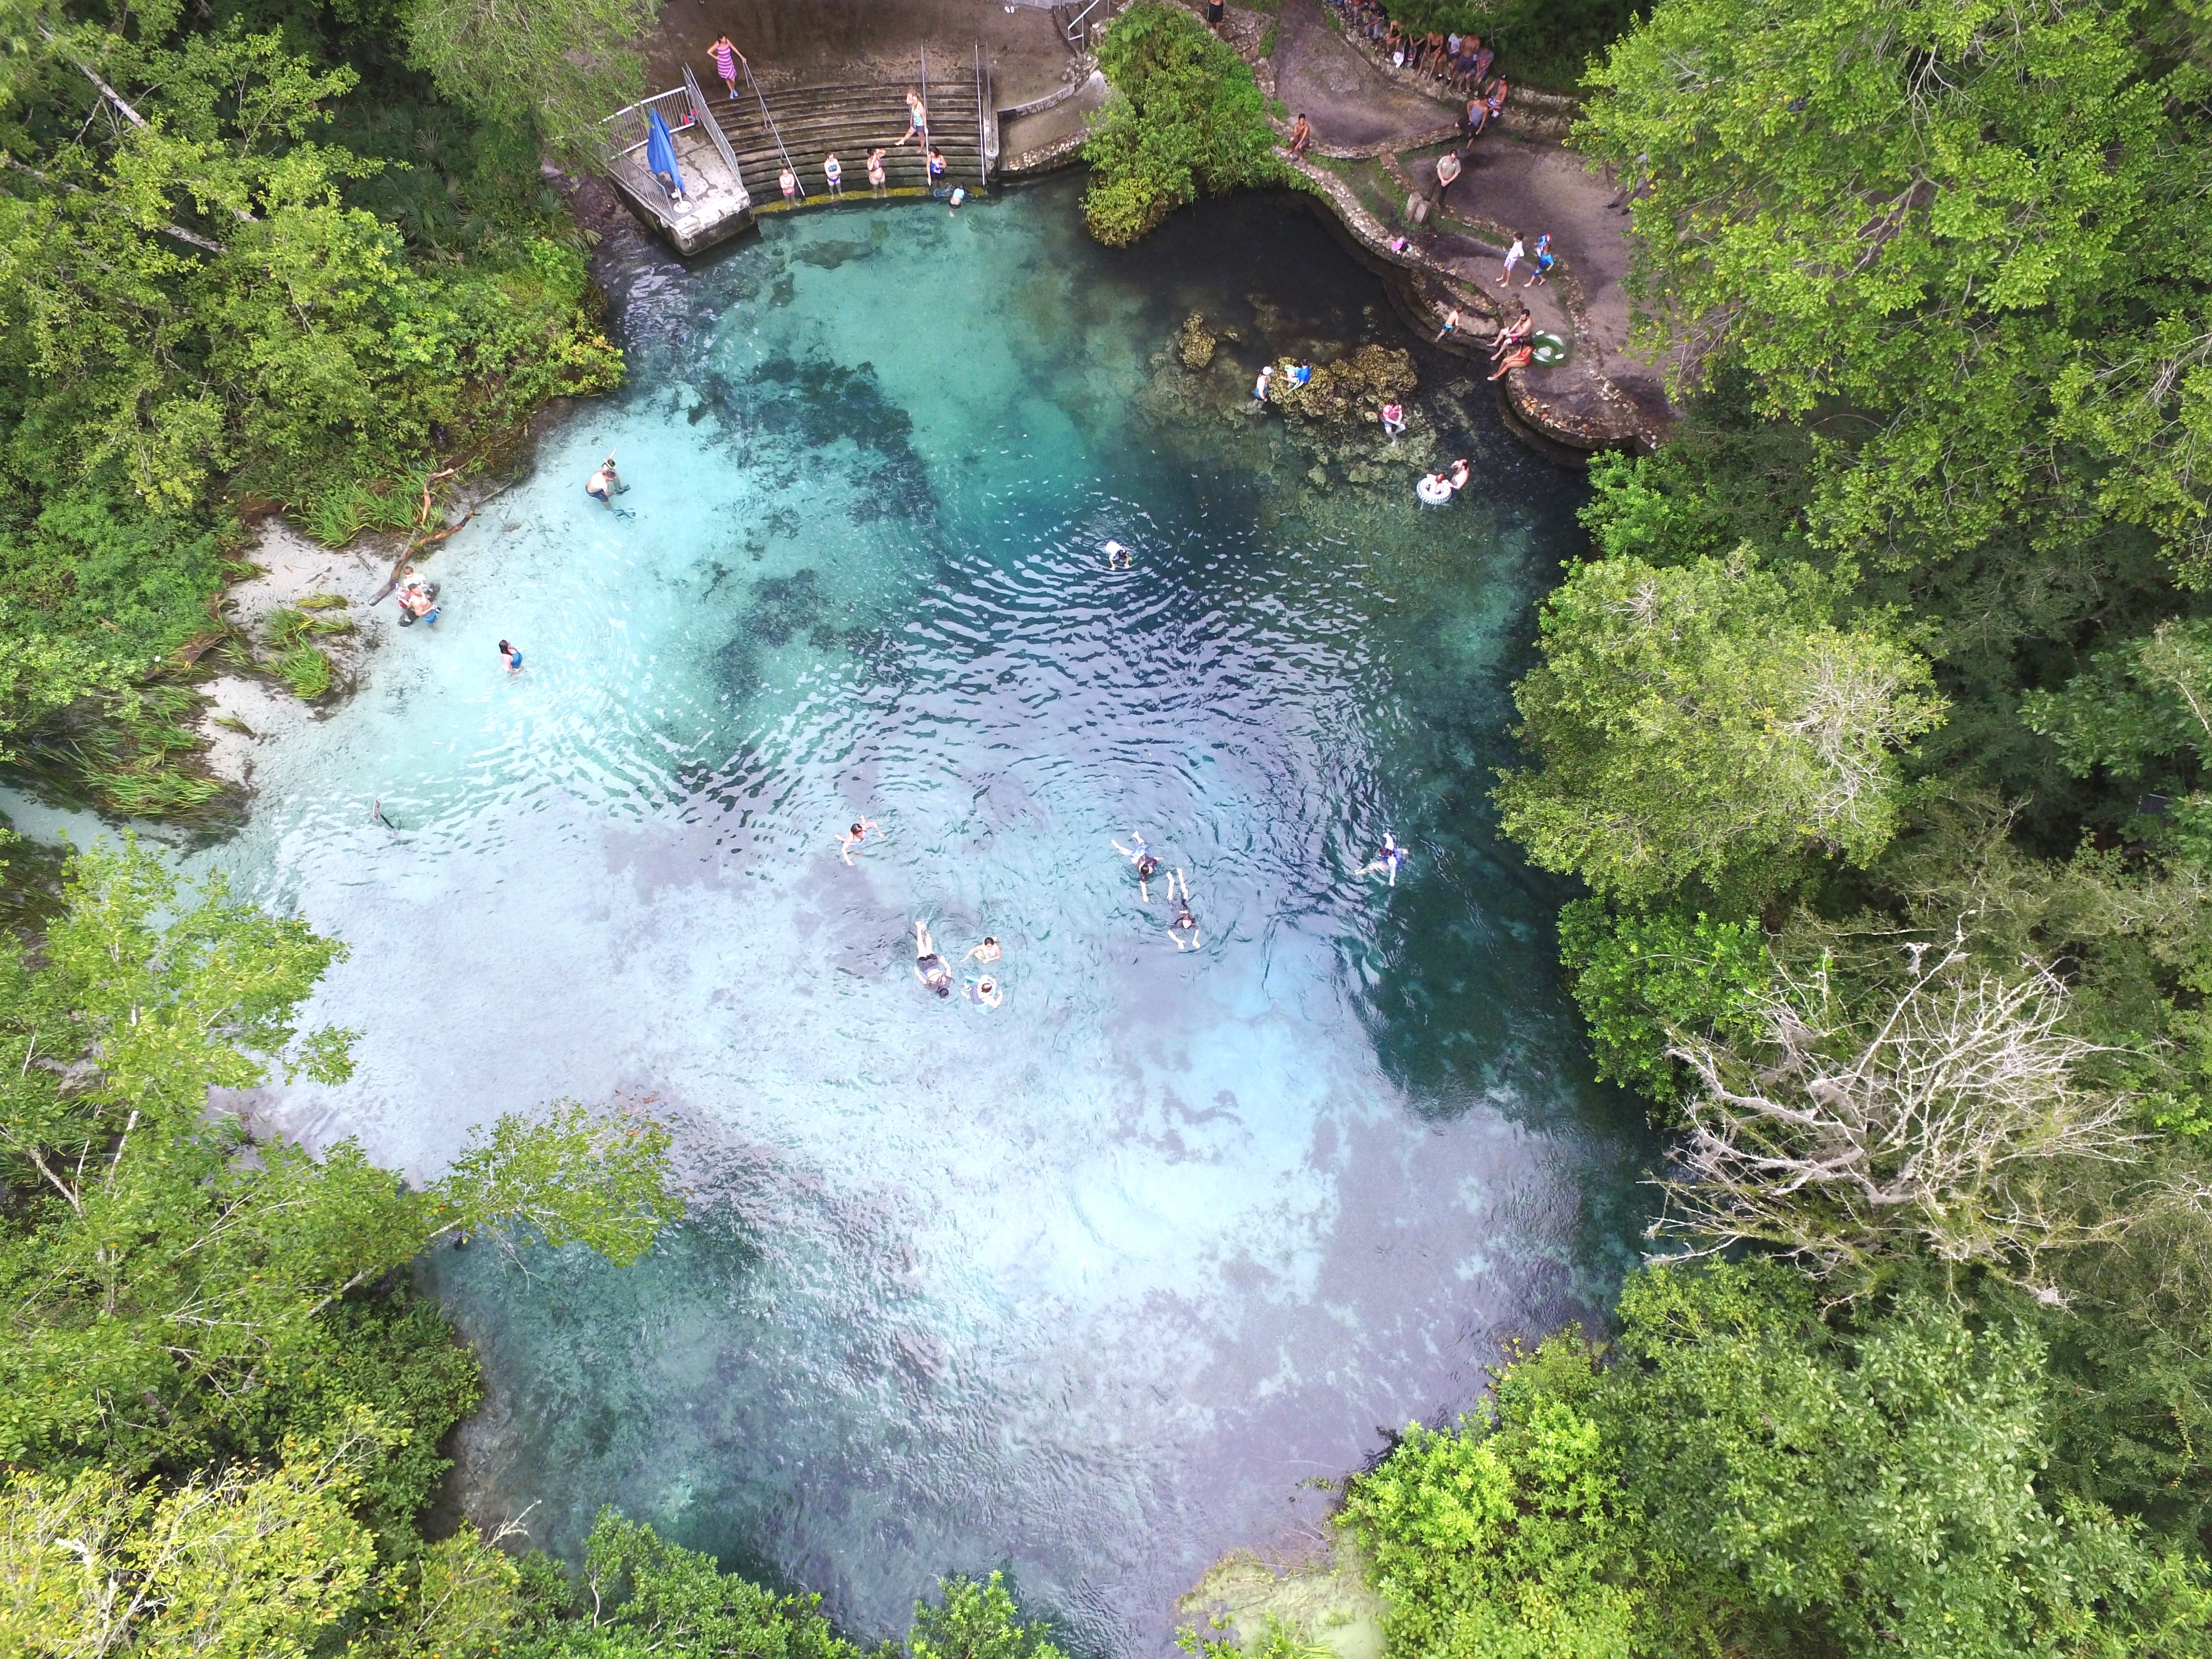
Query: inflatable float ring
point(1548, 350)
point(1433, 490)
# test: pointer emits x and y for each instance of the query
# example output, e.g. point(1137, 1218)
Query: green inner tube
point(1547, 349)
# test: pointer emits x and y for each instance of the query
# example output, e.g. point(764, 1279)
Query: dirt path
point(1319, 76)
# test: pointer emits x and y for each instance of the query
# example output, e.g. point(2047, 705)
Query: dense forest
point(1872, 724)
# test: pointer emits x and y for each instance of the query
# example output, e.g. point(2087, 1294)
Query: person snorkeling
point(603, 485)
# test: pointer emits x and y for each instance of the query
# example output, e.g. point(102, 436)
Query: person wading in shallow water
point(929, 967)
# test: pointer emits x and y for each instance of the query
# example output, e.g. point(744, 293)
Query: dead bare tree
point(1951, 1114)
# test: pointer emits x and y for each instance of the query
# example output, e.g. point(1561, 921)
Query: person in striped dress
point(726, 59)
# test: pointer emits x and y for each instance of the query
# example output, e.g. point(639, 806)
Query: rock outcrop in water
point(1352, 388)
point(1197, 345)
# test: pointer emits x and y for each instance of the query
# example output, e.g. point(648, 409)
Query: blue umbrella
point(660, 149)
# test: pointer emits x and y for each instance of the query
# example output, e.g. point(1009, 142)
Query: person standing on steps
point(835, 175)
point(1514, 255)
point(789, 181)
point(726, 59)
point(875, 170)
point(1301, 135)
point(917, 116)
point(937, 172)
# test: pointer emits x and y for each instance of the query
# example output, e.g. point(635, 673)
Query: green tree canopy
point(1185, 119)
point(1973, 239)
point(1708, 721)
point(164, 1275)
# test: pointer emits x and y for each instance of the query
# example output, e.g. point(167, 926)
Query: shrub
point(1185, 120)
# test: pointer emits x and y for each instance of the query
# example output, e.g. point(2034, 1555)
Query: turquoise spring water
point(1087, 1286)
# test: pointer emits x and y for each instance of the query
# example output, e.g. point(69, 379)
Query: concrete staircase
point(848, 120)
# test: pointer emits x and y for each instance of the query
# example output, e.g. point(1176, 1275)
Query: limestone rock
point(1352, 388)
point(1197, 345)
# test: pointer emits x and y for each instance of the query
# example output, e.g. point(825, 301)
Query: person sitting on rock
point(1301, 135)
point(1394, 419)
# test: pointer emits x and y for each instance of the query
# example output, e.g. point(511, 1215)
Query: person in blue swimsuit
point(511, 656)
point(1543, 271)
point(1387, 860)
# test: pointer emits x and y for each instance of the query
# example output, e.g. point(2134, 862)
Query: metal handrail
point(775, 134)
point(983, 136)
point(1081, 38)
point(681, 109)
point(929, 179)
point(715, 130)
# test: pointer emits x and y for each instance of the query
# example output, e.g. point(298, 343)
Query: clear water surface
point(1085, 1287)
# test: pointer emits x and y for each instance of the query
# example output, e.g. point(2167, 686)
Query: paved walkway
point(1320, 77)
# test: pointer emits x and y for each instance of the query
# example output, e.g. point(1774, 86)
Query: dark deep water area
point(1093, 1286)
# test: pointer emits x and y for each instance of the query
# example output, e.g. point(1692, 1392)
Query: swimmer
point(1115, 551)
point(986, 993)
point(1260, 386)
point(851, 838)
point(511, 656)
point(986, 951)
point(1141, 856)
point(1458, 474)
point(603, 486)
point(1387, 860)
point(377, 812)
point(929, 967)
point(1184, 923)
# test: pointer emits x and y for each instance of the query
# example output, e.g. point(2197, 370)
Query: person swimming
point(1118, 557)
point(986, 951)
point(929, 967)
point(1141, 856)
point(848, 840)
point(986, 993)
point(1387, 859)
point(1184, 923)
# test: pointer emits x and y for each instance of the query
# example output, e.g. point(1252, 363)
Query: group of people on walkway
point(1460, 61)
